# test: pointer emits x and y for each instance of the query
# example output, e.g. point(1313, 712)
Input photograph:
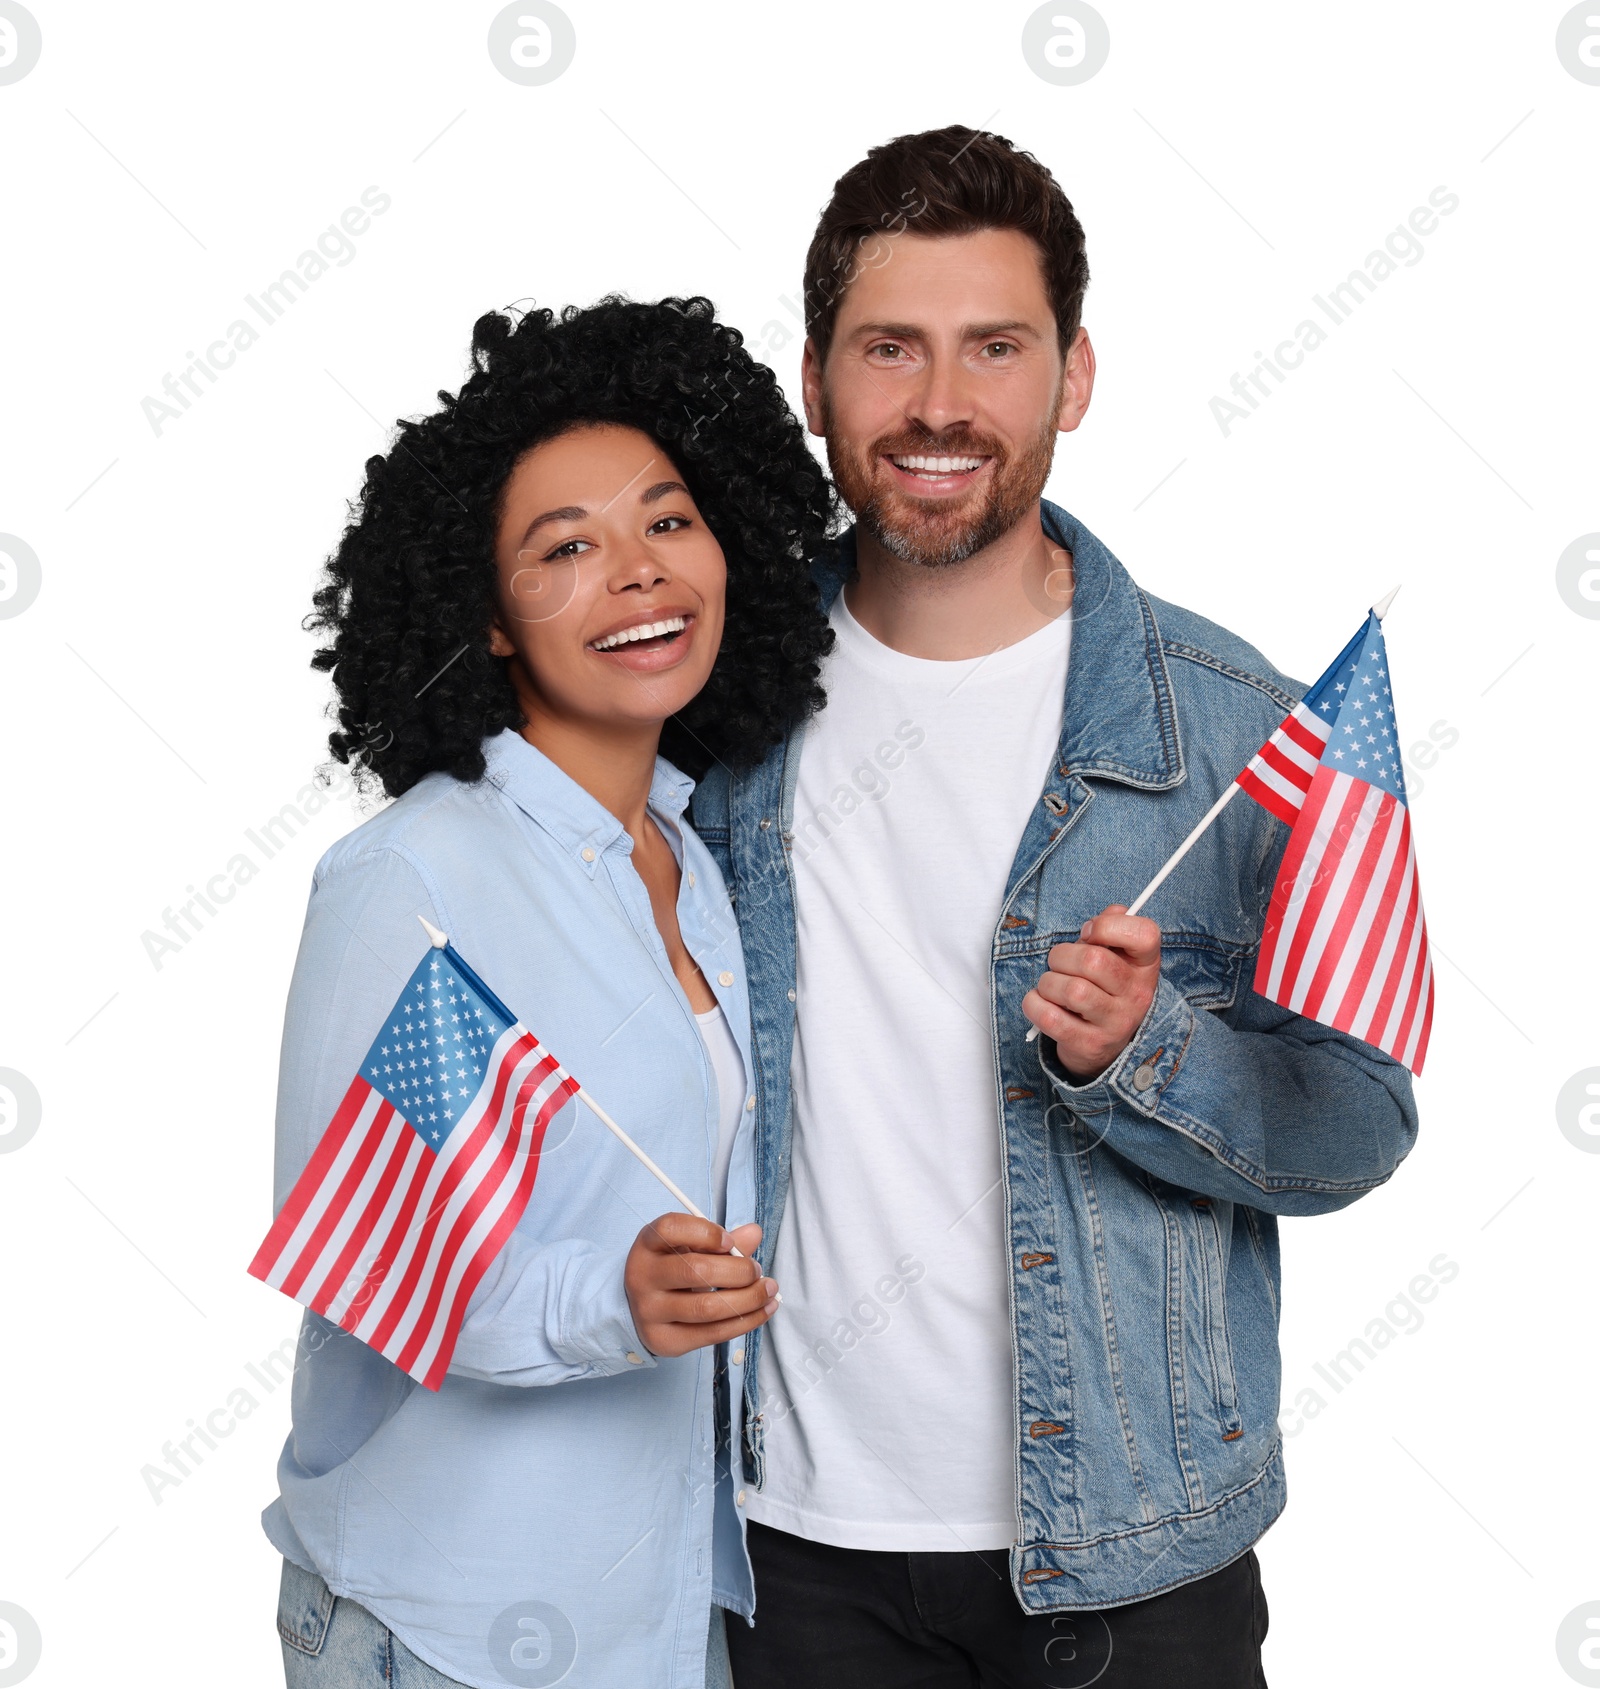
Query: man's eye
point(1001, 348)
point(889, 353)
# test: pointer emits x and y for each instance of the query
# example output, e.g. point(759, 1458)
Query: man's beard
point(939, 535)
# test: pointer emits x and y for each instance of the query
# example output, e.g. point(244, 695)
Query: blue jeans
point(332, 1643)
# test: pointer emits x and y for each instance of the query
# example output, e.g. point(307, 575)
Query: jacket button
point(766, 822)
point(791, 996)
point(1143, 1078)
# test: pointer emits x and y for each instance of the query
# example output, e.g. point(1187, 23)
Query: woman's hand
point(687, 1291)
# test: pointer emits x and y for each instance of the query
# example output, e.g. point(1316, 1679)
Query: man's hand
point(1097, 990)
point(687, 1292)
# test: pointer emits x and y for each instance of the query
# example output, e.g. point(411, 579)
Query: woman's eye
point(668, 524)
point(570, 548)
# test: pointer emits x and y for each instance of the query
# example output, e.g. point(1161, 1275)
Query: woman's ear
point(499, 644)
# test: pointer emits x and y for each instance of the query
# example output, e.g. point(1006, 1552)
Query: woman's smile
point(649, 641)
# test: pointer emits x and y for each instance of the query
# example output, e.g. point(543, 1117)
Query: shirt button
point(749, 1103)
point(738, 1500)
point(1144, 1077)
point(737, 1357)
point(587, 853)
point(724, 978)
point(691, 877)
point(635, 1359)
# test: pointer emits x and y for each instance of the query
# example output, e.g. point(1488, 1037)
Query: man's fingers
point(1138, 938)
point(1055, 1022)
point(1050, 1020)
point(1108, 969)
point(1078, 996)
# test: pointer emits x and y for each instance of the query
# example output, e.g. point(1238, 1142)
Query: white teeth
point(645, 630)
point(938, 465)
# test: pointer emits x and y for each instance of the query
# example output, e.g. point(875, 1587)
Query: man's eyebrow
point(660, 491)
point(565, 513)
point(982, 331)
point(895, 331)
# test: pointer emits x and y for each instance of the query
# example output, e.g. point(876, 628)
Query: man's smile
point(925, 474)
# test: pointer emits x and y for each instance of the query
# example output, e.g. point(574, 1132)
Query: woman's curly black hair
point(408, 597)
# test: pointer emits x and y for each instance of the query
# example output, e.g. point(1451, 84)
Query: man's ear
point(1077, 382)
point(811, 386)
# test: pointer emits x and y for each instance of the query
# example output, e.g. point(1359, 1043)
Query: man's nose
point(943, 398)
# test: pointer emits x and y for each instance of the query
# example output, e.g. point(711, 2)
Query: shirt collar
point(1119, 717)
point(556, 803)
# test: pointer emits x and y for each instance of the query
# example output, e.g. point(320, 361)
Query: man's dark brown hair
point(951, 181)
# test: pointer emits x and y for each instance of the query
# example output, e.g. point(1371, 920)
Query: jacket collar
point(1118, 719)
point(557, 804)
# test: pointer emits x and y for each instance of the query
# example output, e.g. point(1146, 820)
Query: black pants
point(855, 1618)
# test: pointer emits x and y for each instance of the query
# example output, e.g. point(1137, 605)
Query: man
point(1015, 1423)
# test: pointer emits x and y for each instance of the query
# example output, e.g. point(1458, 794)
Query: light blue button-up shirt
point(561, 1493)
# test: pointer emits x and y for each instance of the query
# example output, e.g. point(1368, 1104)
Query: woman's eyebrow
point(661, 489)
point(566, 513)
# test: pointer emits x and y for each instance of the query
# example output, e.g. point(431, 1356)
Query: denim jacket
point(1142, 1207)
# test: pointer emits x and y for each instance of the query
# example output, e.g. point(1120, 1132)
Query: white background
point(1228, 162)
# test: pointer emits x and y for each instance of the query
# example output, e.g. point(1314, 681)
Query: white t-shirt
point(890, 1362)
point(722, 1050)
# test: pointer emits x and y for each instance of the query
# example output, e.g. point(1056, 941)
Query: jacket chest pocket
point(1206, 971)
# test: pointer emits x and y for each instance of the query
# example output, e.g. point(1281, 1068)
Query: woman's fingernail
point(771, 1307)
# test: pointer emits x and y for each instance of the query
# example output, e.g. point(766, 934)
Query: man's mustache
point(959, 444)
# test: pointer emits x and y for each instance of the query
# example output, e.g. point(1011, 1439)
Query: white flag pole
point(1380, 609)
point(439, 940)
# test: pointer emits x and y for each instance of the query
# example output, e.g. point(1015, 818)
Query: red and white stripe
point(1345, 942)
point(389, 1239)
point(1279, 775)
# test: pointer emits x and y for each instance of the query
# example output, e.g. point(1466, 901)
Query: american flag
point(423, 1172)
point(1345, 942)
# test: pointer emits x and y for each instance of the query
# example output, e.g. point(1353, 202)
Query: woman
point(591, 552)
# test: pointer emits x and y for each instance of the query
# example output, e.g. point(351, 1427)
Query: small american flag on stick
point(423, 1172)
point(1345, 942)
